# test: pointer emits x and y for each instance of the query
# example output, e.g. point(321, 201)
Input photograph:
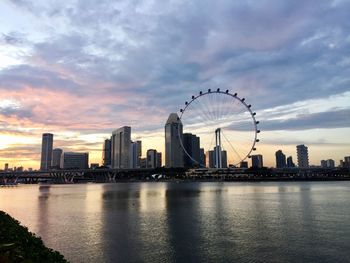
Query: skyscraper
point(202, 158)
point(303, 156)
point(290, 162)
point(191, 144)
point(151, 158)
point(223, 159)
point(56, 158)
point(120, 148)
point(135, 154)
point(106, 153)
point(257, 161)
point(328, 163)
point(210, 159)
point(280, 159)
point(173, 134)
point(46, 151)
point(159, 159)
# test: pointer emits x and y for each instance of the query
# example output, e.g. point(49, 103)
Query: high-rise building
point(46, 151)
point(191, 144)
point(346, 162)
point(139, 148)
point(56, 158)
point(173, 136)
point(280, 159)
point(135, 154)
point(151, 158)
point(257, 161)
point(202, 158)
point(159, 159)
point(6, 167)
point(303, 156)
point(120, 148)
point(328, 163)
point(74, 160)
point(223, 159)
point(210, 159)
point(106, 153)
point(290, 162)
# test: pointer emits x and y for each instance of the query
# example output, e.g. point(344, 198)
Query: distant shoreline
point(213, 180)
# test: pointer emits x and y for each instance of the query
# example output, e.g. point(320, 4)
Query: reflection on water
point(188, 222)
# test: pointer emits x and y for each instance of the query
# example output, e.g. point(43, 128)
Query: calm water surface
point(188, 222)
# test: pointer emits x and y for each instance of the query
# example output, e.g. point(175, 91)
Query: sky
point(83, 68)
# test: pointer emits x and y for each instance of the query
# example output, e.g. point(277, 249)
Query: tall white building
point(46, 151)
point(120, 148)
point(173, 134)
point(303, 156)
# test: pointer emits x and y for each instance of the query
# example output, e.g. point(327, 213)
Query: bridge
point(269, 173)
point(115, 175)
point(77, 175)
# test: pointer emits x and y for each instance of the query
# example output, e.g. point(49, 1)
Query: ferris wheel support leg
point(218, 153)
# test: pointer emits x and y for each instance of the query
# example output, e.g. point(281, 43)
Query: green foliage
point(17, 244)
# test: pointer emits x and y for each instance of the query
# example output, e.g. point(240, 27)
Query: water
point(188, 222)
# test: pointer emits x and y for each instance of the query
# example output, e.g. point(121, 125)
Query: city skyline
point(140, 151)
point(120, 152)
point(81, 75)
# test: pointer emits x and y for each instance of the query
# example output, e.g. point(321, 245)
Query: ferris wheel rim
point(242, 101)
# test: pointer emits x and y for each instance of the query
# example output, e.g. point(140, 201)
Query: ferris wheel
point(224, 126)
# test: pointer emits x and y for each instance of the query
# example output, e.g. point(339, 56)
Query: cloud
point(27, 152)
point(13, 38)
point(92, 66)
point(328, 120)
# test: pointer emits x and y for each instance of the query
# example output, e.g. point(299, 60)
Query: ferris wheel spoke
point(206, 105)
point(205, 111)
point(233, 109)
point(198, 114)
point(219, 105)
point(227, 108)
